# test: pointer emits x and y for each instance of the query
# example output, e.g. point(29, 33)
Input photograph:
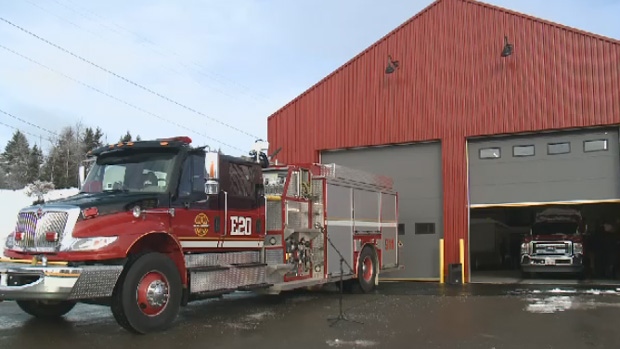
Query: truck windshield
point(555, 228)
point(131, 171)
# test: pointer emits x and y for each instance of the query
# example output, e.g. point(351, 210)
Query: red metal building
point(452, 87)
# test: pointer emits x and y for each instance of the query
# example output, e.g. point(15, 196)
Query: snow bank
point(11, 201)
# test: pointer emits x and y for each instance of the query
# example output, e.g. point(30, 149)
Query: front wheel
point(147, 297)
point(46, 309)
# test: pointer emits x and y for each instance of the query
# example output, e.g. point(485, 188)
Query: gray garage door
point(552, 167)
point(416, 170)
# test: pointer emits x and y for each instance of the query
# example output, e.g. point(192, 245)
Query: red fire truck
point(160, 223)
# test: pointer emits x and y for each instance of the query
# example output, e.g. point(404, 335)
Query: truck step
point(279, 268)
point(210, 294)
point(249, 265)
point(254, 287)
point(207, 268)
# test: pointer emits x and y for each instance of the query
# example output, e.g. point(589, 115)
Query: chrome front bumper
point(20, 281)
point(552, 264)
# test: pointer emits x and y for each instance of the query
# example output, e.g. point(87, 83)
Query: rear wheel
point(46, 309)
point(147, 297)
point(367, 270)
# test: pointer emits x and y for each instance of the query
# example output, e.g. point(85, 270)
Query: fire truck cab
point(159, 223)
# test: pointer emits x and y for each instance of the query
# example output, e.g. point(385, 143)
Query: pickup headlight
point(577, 248)
point(91, 244)
point(525, 248)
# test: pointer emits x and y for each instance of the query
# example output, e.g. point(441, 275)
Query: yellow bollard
point(462, 258)
point(441, 265)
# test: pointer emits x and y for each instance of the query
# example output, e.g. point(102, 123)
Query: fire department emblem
point(201, 224)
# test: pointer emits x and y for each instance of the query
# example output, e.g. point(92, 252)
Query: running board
point(291, 285)
point(224, 278)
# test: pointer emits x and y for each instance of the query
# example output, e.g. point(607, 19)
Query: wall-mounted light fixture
point(507, 51)
point(391, 66)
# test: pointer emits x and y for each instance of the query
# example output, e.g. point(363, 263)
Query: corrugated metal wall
point(452, 84)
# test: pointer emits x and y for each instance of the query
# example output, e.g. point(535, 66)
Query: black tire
point(46, 309)
point(367, 270)
point(132, 289)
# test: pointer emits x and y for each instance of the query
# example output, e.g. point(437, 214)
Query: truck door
point(197, 221)
point(244, 205)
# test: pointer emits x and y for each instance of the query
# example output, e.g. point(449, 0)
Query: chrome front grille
point(34, 229)
point(552, 248)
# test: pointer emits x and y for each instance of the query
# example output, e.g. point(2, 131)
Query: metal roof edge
point(356, 57)
point(425, 10)
point(543, 21)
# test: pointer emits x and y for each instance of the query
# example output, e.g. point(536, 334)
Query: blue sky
point(233, 62)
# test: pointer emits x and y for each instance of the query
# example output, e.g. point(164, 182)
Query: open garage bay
point(544, 207)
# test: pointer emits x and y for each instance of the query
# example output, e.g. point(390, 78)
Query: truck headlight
point(9, 242)
point(577, 248)
point(525, 248)
point(91, 244)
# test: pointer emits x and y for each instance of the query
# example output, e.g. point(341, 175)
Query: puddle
point(555, 304)
point(359, 343)
point(550, 305)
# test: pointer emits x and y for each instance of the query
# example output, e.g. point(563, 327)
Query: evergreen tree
point(91, 139)
point(126, 137)
point(14, 161)
point(3, 182)
point(35, 161)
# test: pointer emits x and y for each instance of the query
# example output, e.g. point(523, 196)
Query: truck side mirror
point(82, 175)
point(212, 187)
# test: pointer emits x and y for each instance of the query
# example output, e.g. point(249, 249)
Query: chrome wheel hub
point(157, 293)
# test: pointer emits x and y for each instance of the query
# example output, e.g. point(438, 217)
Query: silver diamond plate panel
point(274, 215)
point(216, 259)
point(318, 209)
point(34, 228)
point(226, 279)
point(293, 210)
point(293, 186)
point(274, 278)
point(297, 214)
point(96, 282)
point(275, 256)
point(354, 175)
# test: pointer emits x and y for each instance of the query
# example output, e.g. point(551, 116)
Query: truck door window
point(241, 180)
point(192, 176)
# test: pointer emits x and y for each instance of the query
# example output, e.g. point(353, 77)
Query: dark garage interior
point(497, 235)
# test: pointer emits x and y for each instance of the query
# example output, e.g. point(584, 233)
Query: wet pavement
point(398, 315)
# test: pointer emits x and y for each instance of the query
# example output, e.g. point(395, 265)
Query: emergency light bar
point(182, 139)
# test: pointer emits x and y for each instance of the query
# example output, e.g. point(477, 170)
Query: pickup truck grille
point(35, 225)
point(552, 248)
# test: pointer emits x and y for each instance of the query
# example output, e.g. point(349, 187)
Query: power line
point(124, 78)
point(28, 122)
point(113, 97)
point(194, 80)
point(26, 132)
point(210, 74)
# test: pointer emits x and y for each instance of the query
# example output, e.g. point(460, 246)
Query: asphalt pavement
point(397, 315)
